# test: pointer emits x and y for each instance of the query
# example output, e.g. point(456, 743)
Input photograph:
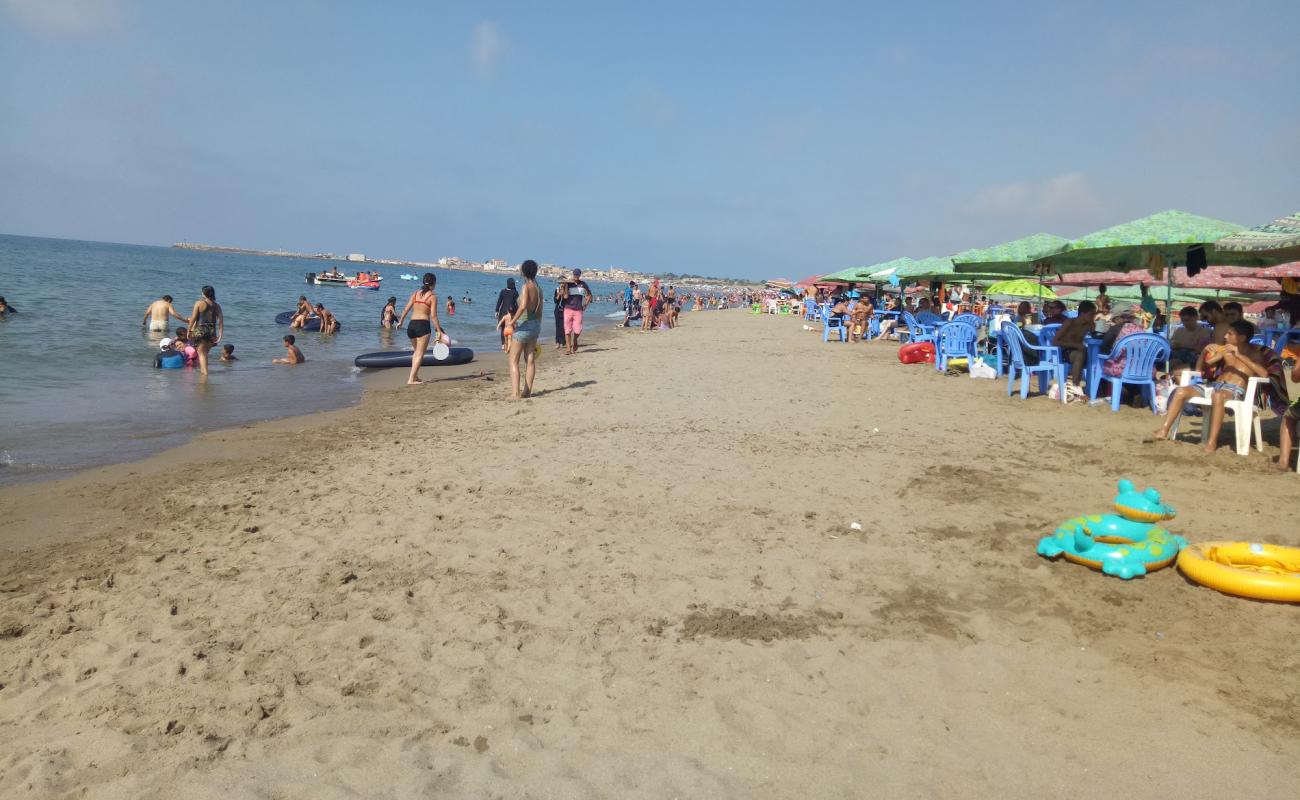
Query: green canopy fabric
point(881, 272)
point(1281, 237)
point(1016, 257)
point(850, 275)
point(1126, 247)
point(1020, 288)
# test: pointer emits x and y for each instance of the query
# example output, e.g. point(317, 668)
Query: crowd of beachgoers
point(1211, 355)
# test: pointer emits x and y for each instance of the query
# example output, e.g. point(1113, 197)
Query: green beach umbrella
point(1129, 246)
point(1281, 238)
point(882, 271)
point(844, 275)
point(1016, 257)
point(1020, 287)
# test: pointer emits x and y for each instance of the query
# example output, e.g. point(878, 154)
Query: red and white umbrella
point(1227, 279)
point(1291, 270)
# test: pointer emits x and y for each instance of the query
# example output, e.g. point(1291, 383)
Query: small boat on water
point(362, 280)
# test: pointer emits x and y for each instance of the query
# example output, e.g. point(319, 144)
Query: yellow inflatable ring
point(1246, 569)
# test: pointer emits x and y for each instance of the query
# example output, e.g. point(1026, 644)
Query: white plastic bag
point(978, 369)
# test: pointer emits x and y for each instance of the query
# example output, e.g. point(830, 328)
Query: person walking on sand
point(158, 312)
point(206, 326)
point(577, 298)
point(507, 302)
point(423, 308)
point(527, 324)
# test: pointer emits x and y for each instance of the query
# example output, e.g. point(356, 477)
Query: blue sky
point(753, 140)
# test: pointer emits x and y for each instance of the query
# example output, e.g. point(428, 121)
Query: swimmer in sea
point(292, 355)
point(302, 314)
point(388, 317)
point(328, 324)
point(451, 307)
point(228, 353)
point(159, 312)
point(6, 309)
point(206, 325)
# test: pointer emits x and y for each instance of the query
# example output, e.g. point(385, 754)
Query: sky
point(755, 140)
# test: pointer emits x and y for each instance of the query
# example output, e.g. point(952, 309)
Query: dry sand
point(642, 583)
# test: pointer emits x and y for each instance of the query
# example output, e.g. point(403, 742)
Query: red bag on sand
point(916, 353)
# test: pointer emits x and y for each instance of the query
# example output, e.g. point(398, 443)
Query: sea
point(77, 384)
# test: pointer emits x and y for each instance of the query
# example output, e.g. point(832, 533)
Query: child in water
point(292, 355)
point(451, 307)
point(228, 353)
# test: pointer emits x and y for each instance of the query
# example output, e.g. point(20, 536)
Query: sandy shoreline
point(642, 583)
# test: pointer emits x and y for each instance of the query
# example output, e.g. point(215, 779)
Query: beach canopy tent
point(885, 270)
point(1163, 238)
point(1230, 279)
point(934, 268)
point(1134, 293)
point(1021, 288)
point(1288, 270)
point(1017, 257)
point(850, 275)
point(1279, 238)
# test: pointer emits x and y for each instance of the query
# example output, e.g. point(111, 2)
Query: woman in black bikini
point(206, 326)
point(423, 308)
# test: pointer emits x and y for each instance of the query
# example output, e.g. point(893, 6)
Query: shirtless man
point(861, 320)
point(1238, 361)
point(159, 312)
point(292, 355)
point(302, 314)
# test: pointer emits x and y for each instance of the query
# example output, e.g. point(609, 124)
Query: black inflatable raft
point(402, 358)
point(313, 324)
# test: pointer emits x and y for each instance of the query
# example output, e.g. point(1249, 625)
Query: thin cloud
point(66, 17)
point(1066, 202)
point(487, 45)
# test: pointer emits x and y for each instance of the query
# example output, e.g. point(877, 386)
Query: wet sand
point(643, 583)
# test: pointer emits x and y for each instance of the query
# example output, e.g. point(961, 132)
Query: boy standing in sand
point(292, 355)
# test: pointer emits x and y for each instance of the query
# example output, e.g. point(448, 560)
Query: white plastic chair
point(1244, 417)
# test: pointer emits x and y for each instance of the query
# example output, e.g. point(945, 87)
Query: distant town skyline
point(769, 141)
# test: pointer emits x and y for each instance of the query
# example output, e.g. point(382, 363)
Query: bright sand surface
point(643, 583)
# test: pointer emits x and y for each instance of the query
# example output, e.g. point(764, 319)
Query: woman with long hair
point(423, 308)
point(388, 317)
point(527, 324)
point(206, 326)
point(558, 297)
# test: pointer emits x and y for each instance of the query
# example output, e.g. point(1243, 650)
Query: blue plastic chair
point(956, 340)
point(916, 332)
point(1049, 362)
point(1141, 352)
point(809, 309)
point(974, 320)
point(1047, 334)
point(830, 322)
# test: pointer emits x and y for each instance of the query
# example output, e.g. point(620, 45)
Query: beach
point(643, 582)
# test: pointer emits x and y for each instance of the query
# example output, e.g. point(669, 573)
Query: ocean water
point(77, 383)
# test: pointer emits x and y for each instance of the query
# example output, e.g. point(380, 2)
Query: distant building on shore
point(356, 256)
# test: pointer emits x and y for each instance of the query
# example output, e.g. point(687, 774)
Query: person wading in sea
point(423, 308)
point(159, 311)
point(206, 326)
